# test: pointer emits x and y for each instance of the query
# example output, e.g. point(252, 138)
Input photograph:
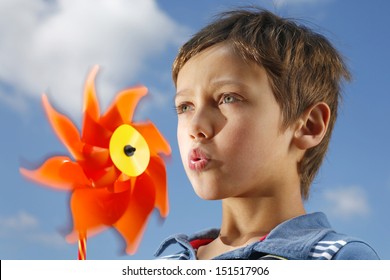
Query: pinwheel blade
point(92, 208)
point(156, 141)
point(91, 104)
point(59, 173)
point(122, 109)
point(64, 128)
point(133, 221)
point(157, 173)
point(94, 133)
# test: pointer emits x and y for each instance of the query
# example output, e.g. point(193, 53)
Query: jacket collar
point(292, 239)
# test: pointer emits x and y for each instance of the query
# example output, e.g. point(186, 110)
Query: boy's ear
point(312, 126)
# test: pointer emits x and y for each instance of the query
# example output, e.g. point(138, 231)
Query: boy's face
point(229, 127)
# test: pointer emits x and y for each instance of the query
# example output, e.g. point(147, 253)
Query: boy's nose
point(201, 127)
point(198, 135)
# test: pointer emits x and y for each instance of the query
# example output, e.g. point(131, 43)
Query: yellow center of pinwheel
point(129, 150)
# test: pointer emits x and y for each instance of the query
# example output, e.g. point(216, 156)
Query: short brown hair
point(303, 67)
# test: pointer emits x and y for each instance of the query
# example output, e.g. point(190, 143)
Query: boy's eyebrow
point(215, 85)
point(226, 82)
point(179, 93)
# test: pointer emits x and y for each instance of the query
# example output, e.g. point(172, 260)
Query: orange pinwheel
point(116, 177)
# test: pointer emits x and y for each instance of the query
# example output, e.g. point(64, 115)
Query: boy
point(257, 100)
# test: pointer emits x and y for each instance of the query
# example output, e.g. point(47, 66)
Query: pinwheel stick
point(82, 254)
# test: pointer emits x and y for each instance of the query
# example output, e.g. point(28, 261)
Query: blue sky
point(49, 46)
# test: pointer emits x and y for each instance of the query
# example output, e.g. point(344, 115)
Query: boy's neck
point(253, 217)
point(247, 220)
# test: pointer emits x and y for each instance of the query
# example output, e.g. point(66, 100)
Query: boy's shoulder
point(335, 246)
point(307, 237)
point(311, 237)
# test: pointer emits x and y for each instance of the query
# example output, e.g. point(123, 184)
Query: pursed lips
point(197, 160)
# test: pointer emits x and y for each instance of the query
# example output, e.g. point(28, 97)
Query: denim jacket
point(307, 237)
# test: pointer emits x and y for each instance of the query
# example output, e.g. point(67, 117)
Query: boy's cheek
point(183, 146)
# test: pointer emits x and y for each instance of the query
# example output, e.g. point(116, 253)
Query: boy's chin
point(208, 194)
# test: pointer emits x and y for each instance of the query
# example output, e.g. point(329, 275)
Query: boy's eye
point(183, 108)
point(228, 98)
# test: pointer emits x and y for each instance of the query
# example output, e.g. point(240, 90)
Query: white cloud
point(25, 227)
point(47, 239)
point(347, 202)
point(17, 222)
point(52, 44)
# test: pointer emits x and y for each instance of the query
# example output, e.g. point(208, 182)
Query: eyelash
point(180, 108)
point(225, 95)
